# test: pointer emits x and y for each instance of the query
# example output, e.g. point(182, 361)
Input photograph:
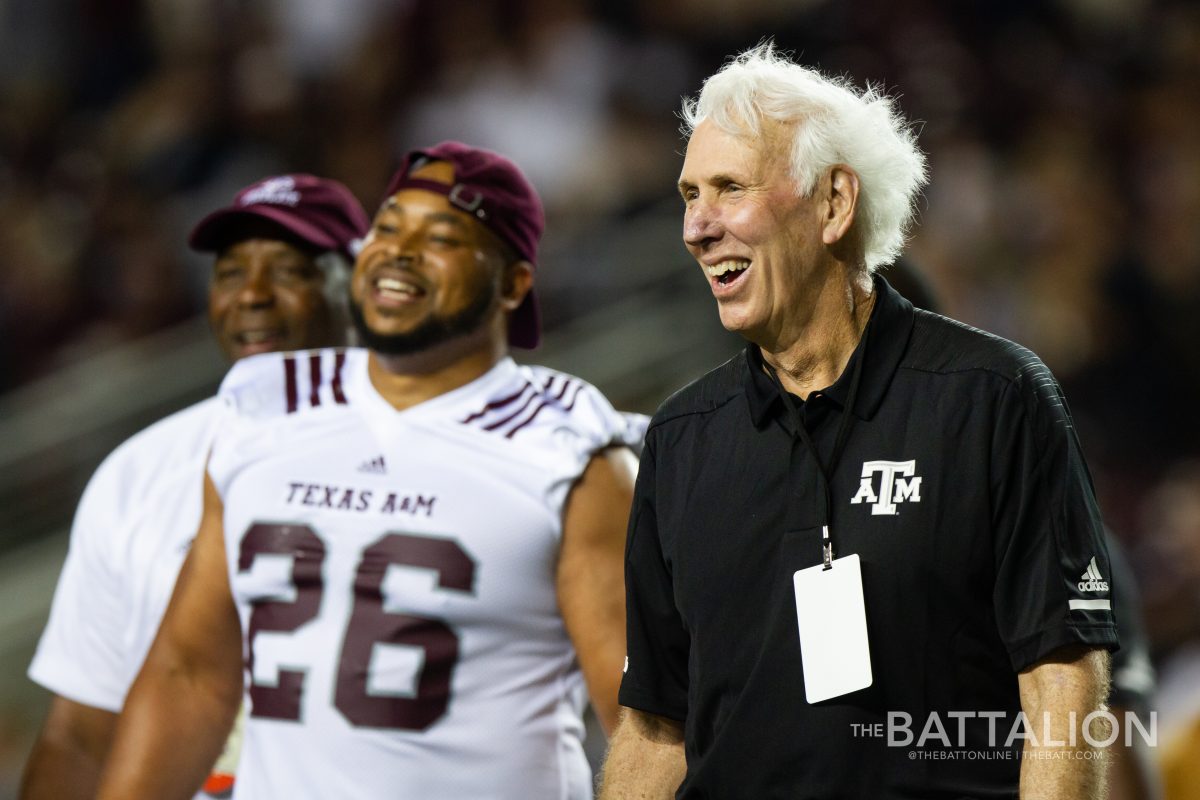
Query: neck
point(815, 355)
point(404, 381)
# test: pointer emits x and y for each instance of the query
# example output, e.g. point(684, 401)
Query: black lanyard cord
point(839, 443)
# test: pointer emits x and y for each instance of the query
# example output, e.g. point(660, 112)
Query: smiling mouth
point(727, 272)
point(252, 342)
point(397, 290)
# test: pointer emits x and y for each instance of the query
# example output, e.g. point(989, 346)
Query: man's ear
point(841, 196)
point(515, 284)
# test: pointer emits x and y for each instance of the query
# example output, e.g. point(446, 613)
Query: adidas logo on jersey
point(1092, 580)
point(374, 467)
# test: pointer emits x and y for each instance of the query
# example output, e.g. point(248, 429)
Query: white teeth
point(395, 285)
point(729, 265)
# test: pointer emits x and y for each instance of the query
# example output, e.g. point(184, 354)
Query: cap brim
point(525, 323)
point(220, 228)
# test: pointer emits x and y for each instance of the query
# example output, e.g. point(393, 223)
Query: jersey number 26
point(369, 624)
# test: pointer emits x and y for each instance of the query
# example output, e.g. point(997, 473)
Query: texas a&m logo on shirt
point(897, 484)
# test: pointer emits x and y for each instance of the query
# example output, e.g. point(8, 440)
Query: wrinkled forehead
point(714, 149)
point(711, 148)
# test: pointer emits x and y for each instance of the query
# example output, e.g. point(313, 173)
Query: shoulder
point(278, 384)
point(538, 404)
point(704, 395)
point(943, 345)
point(173, 441)
point(156, 460)
point(1017, 377)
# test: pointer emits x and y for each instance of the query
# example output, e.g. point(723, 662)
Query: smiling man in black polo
point(862, 548)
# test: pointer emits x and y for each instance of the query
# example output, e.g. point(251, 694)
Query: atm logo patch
point(886, 484)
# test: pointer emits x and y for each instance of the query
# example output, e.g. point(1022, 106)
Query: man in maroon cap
point(295, 236)
point(283, 250)
point(417, 546)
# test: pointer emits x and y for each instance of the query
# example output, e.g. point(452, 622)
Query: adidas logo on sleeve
point(1091, 580)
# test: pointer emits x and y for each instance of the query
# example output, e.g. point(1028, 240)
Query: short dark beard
point(430, 333)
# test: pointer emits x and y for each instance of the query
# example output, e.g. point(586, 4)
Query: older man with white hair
point(865, 558)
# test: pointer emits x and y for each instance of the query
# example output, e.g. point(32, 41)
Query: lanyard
point(839, 443)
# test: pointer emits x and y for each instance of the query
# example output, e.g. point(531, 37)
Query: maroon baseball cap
point(317, 211)
point(492, 189)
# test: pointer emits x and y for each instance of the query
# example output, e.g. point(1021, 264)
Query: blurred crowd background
point(1063, 213)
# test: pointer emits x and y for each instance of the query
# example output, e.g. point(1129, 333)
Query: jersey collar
point(887, 338)
point(501, 373)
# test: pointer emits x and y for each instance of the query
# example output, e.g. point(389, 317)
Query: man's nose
point(258, 290)
point(701, 225)
point(402, 246)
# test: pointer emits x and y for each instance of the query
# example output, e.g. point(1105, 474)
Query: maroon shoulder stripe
point(511, 416)
point(574, 397)
point(289, 379)
point(527, 420)
point(339, 361)
point(314, 379)
point(546, 401)
point(501, 403)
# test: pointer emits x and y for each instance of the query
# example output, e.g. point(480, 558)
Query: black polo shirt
point(980, 545)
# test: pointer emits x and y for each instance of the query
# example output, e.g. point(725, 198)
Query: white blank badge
point(833, 629)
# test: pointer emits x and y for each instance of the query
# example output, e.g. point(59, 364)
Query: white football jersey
point(131, 532)
point(395, 576)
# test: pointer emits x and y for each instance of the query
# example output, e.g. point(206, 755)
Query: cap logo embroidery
point(897, 484)
point(275, 191)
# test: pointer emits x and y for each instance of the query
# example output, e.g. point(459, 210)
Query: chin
point(735, 323)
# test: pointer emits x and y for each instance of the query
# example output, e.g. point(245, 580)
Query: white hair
point(831, 124)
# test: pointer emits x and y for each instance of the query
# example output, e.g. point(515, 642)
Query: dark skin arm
point(591, 574)
point(186, 697)
point(69, 752)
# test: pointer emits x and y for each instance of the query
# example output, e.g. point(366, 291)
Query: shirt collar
point(887, 337)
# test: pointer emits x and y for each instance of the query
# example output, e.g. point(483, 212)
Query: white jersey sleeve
point(561, 418)
point(80, 655)
point(129, 537)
